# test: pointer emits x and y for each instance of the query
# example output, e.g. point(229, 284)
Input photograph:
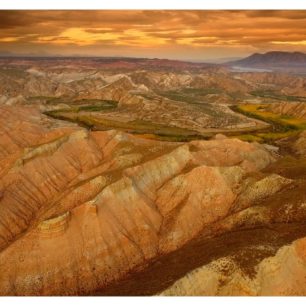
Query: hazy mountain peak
point(273, 59)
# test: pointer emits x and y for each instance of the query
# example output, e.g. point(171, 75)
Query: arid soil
point(109, 211)
point(96, 206)
point(241, 249)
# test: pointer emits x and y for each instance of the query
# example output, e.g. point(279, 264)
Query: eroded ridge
point(81, 209)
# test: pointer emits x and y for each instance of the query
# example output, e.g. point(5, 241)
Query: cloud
point(184, 33)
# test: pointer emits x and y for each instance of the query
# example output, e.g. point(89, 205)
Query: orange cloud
point(174, 34)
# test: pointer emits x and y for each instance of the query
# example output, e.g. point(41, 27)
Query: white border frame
point(158, 5)
point(153, 4)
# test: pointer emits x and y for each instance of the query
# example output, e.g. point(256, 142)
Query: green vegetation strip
point(281, 126)
point(146, 128)
point(100, 105)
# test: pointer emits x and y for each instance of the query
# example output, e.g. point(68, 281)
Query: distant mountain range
point(109, 63)
point(270, 61)
point(273, 60)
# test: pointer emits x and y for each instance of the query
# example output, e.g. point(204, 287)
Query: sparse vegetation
point(201, 91)
point(159, 131)
point(276, 96)
point(13, 72)
point(282, 126)
point(190, 95)
point(100, 105)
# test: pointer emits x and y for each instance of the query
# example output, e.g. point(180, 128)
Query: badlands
point(139, 177)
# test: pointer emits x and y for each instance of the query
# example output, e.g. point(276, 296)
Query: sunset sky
point(189, 35)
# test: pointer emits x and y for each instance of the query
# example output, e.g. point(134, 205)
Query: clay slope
point(299, 146)
point(21, 86)
point(79, 209)
point(68, 80)
point(294, 109)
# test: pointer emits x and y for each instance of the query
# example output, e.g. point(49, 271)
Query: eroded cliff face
point(81, 209)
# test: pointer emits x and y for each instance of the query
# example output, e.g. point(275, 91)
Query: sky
point(187, 35)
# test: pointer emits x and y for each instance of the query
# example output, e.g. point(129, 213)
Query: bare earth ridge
point(80, 210)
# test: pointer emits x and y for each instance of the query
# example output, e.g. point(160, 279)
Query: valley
point(135, 176)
